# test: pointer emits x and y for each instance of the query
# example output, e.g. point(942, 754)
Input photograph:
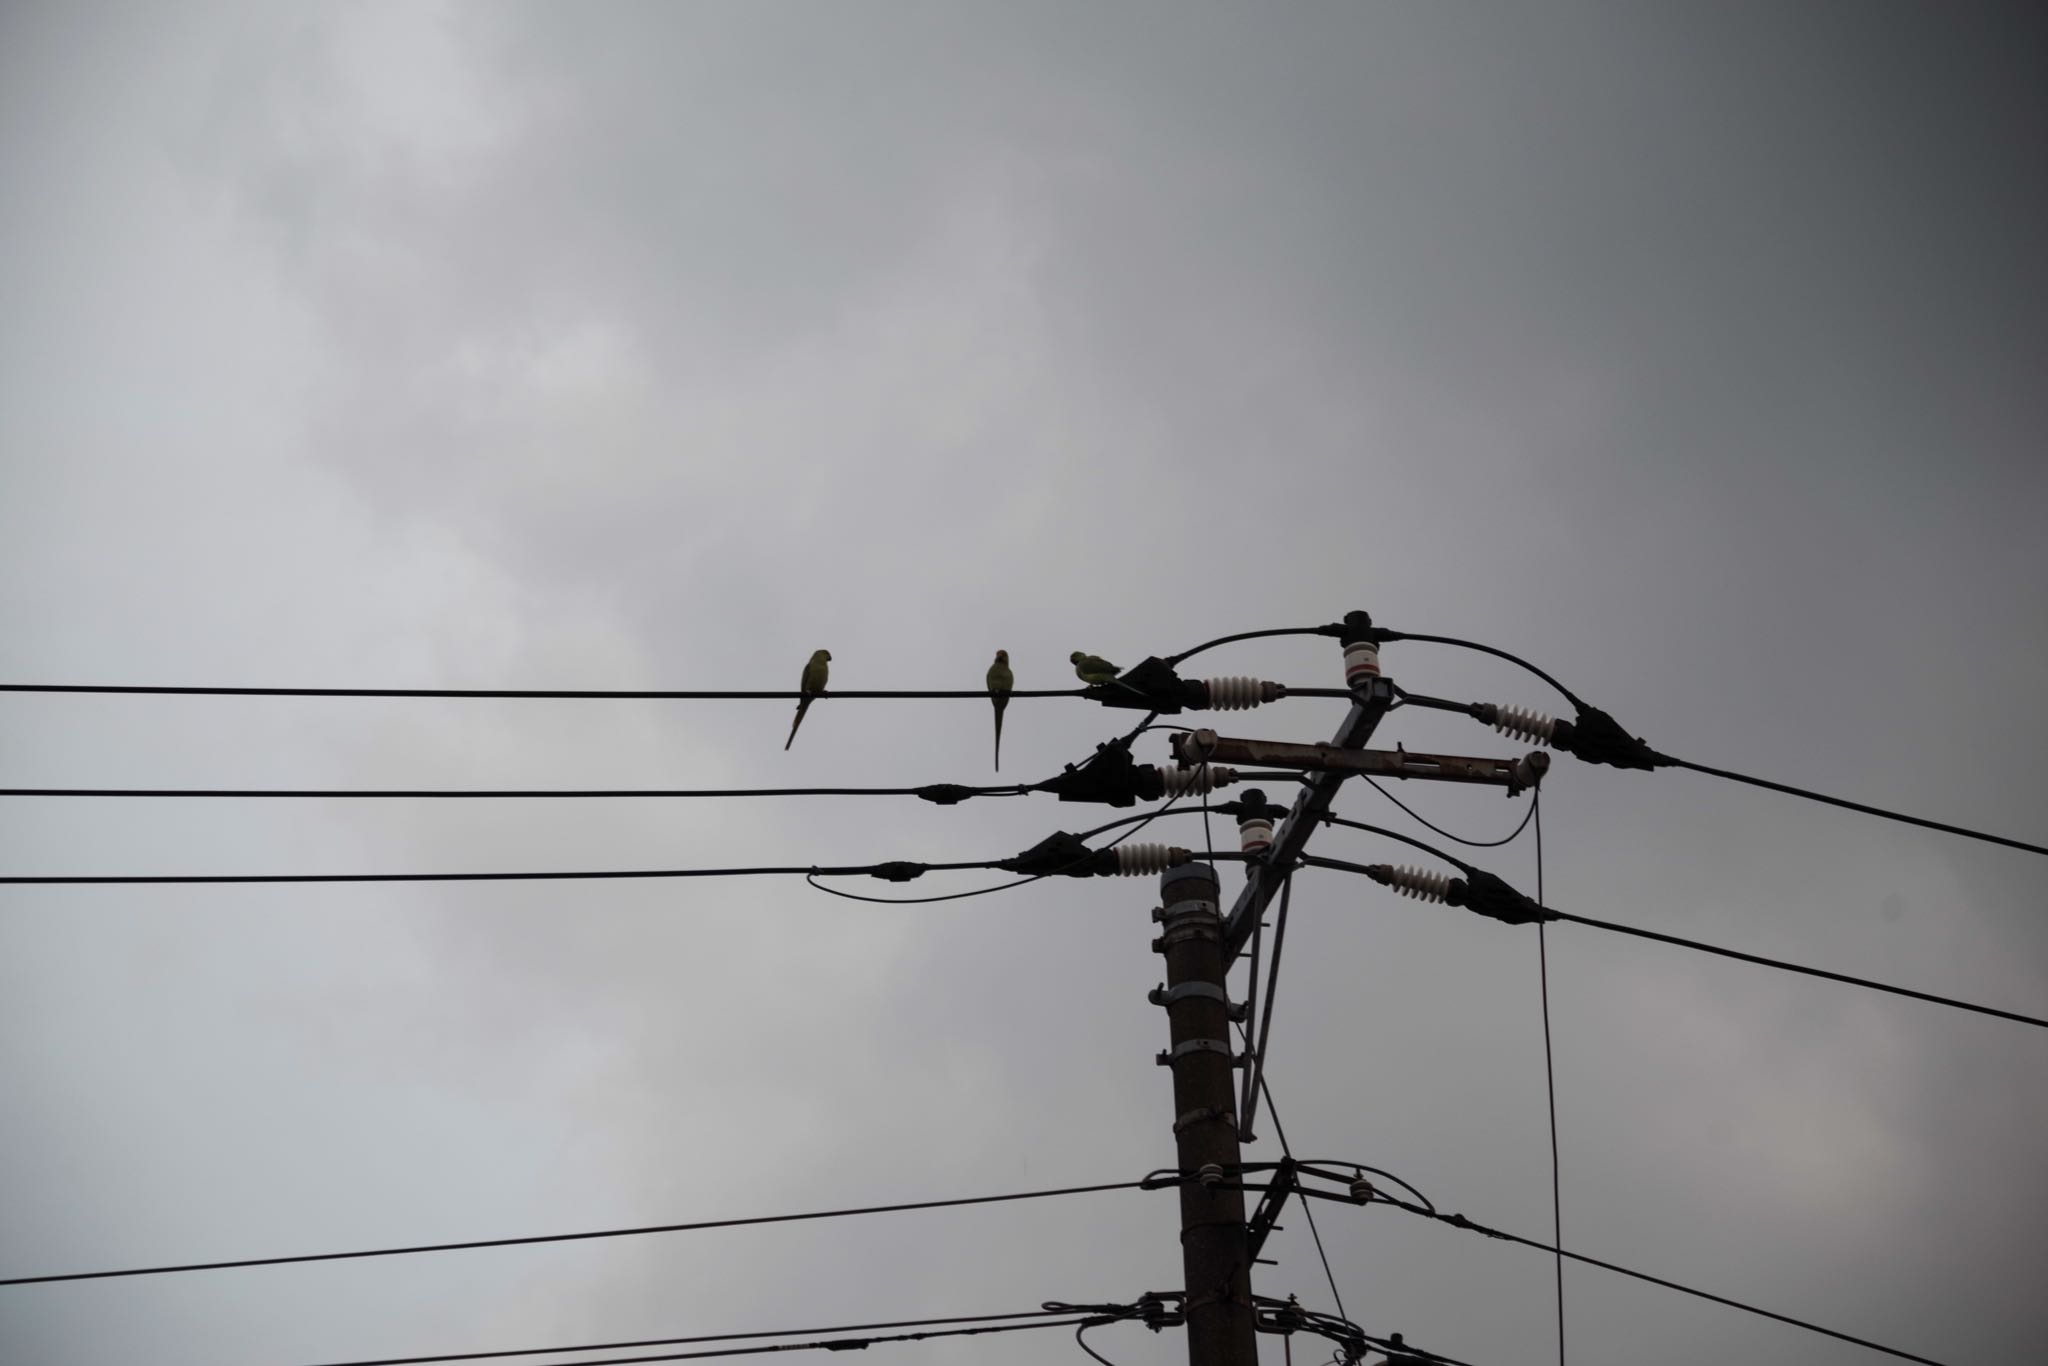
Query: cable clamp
point(1189, 1047)
point(1208, 991)
point(1182, 934)
point(1203, 1115)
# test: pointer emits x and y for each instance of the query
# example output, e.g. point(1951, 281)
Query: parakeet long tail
point(1000, 703)
point(802, 706)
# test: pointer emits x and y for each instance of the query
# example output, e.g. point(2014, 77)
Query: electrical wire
point(1549, 1073)
point(692, 1341)
point(1665, 760)
point(1460, 1221)
point(1567, 693)
point(578, 1237)
point(1141, 823)
point(857, 870)
point(1848, 805)
point(1424, 821)
point(580, 694)
point(1552, 912)
point(1801, 968)
point(836, 1344)
point(472, 793)
point(1081, 1342)
point(1336, 630)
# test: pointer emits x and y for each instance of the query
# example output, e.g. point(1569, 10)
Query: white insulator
point(1182, 782)
point(1361, 664)
point(1420, 883)
point(1522, 724)
point(1136, 860)
point(1238, 692)
point(1256, 832)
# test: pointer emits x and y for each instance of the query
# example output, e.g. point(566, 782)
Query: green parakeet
point(815, 674)
point(1093, 669)
point(1000, 682)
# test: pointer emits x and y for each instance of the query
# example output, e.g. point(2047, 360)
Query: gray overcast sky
point(1694, 351)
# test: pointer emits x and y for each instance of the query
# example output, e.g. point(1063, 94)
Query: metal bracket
point(1183, 910)
point(1166, 996)
point(1261, 1222)
point(1187, 1047)
point(1180, 934)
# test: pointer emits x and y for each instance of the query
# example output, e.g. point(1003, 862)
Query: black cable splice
point(1597, 738)
point(1112, 778)
point(1489, 896)
point(898, 871)
point(1061, 854)
point(1151, 685)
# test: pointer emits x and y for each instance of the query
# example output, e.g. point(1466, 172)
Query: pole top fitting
point(1188, 882)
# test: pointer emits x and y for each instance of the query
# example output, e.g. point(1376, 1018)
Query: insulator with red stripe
point(1255, 834)
point(1361, 663)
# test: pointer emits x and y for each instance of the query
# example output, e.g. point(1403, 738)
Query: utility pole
point(1200, 942)
point(1214, 1240)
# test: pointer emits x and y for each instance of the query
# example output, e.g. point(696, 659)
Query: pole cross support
point(1261, 1223)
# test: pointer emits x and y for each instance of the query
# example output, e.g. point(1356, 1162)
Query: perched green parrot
point(1000, 682)
point(815, 674)
point(1093, 668)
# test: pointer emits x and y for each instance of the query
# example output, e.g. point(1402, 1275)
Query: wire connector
point(1112, 778)
point(1595, 737)
point(1063, 855)
point(897, 872)
point(1154, 685)
point(1478, 891)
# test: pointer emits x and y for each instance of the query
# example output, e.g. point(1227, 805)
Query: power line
point(579, 1237)
point(1424, 821)
point(1801, 968)
point(906, 870)
point(1568, 694)
point(1334, 629)
point(700, 1338)
point(1460, 1221)
point(1549, 1073)
point(846, 1344)
point(1610, 742)
point(1136, 823)
point(950, 792)
point(1848, 805)
point(580, 694)
point(1529, 911)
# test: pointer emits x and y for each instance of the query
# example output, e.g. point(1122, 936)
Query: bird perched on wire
point(813, 684)
point(1000, 682)
point(1093, 669)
